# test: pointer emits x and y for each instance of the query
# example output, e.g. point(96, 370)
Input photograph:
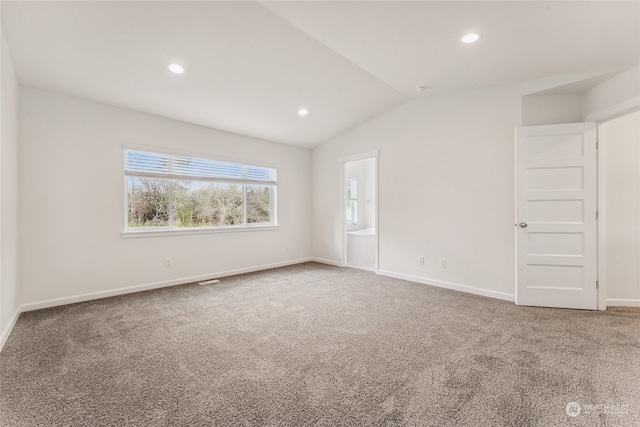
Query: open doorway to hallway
point(619, 200)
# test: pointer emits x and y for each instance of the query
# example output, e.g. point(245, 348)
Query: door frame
point(619, 110)
point(343, 183)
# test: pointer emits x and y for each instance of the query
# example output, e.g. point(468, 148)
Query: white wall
point(72, 195)
point(8, 192)
point(446, 188)
point(612, 95)
point(621, 144)
point(551, 109)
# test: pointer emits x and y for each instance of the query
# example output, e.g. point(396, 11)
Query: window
point(170, 192)
point(352, 200)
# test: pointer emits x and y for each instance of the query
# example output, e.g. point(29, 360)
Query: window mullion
point(274, 205)
point(171, 184)
point(244, 204)
point(244, 196)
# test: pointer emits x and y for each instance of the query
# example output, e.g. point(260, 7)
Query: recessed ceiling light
point(302, 112)
point(176, 68)
point(470, 38)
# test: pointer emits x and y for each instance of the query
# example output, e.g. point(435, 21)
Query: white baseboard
point(4, 335)
point(132, 289)
point(139, 288)
point(326, 261)
point(621, 302)
point(453, 286)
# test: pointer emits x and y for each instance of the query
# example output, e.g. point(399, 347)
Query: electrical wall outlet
point(421, 260)
point(168, 262)
point(443, 263)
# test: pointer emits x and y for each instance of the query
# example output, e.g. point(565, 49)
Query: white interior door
point(556, 202)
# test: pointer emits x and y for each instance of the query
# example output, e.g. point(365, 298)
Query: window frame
point(170, 229)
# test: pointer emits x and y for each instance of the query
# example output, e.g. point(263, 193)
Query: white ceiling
point(252, 65)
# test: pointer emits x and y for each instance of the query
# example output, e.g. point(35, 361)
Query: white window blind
point(154, 165)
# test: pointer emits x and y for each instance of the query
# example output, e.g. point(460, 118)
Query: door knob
point(523, 225)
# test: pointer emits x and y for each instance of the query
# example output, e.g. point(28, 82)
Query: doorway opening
point(619, 207)
point(360, 211)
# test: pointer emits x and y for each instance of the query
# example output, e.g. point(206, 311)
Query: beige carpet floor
point(314, 345)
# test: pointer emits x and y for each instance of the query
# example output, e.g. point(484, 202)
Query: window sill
point(132, 233)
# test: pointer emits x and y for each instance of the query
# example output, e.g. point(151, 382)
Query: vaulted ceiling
point(250, 66)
